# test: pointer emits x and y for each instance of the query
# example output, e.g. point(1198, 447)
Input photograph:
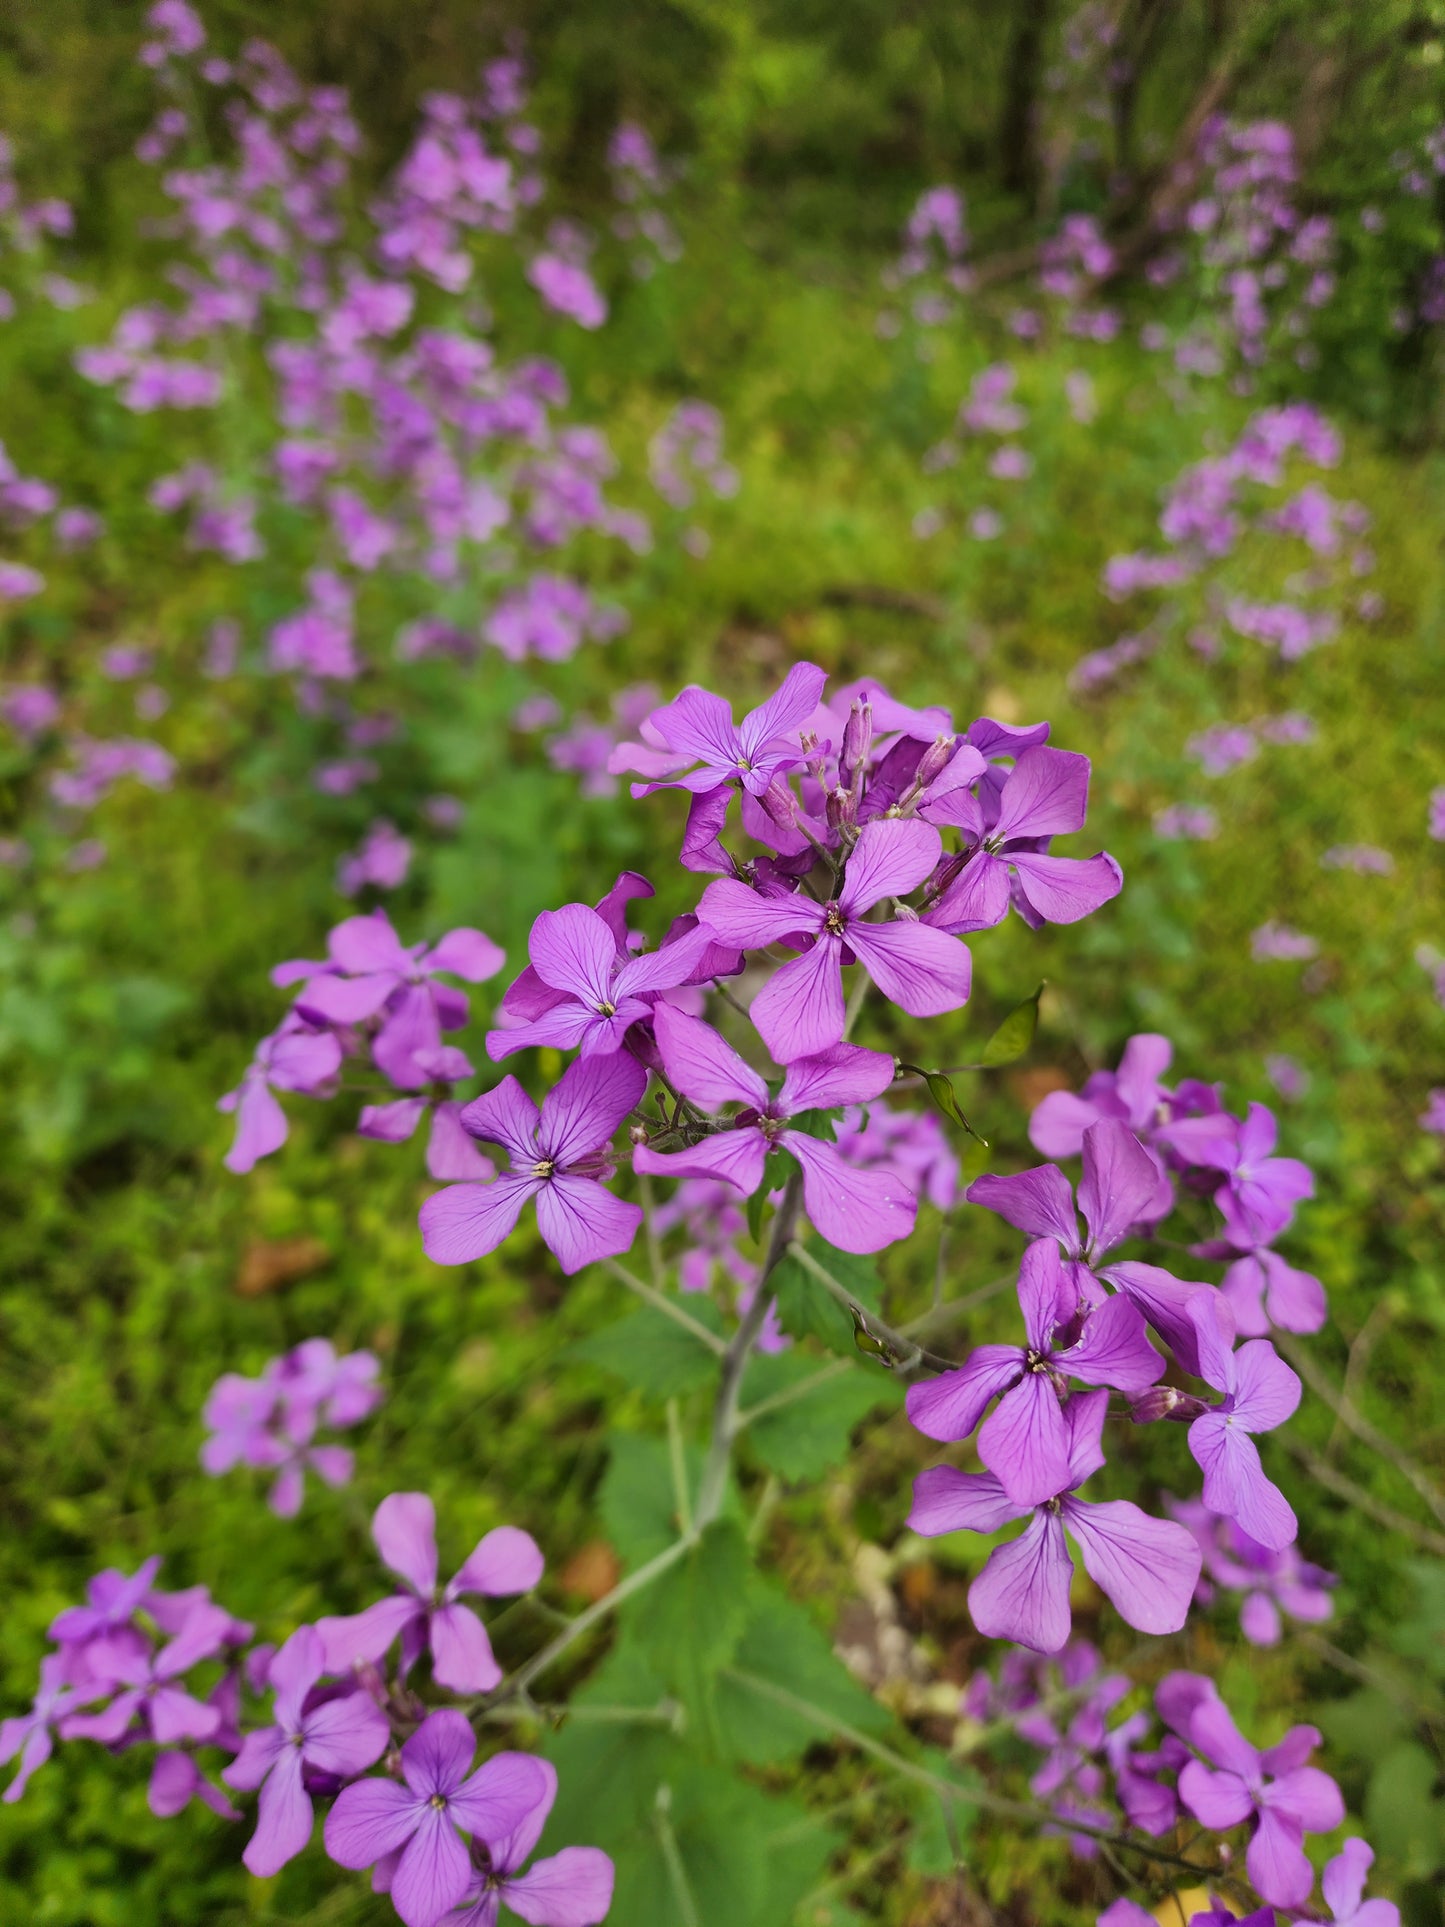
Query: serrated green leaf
point(780, 1645)
point(810, 1434)
point(654, 1354)
point(637, 1500)
point(1014, 1035)
point(807, 1309)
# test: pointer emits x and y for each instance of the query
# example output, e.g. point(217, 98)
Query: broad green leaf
point(1014, 1035)
point(654, 1354)
point(810, 1434)
point(691, 1619)
point(637, 1501)
point(807, 1309)
point(782, 1647)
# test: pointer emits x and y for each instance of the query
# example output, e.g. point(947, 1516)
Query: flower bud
point(840, 808)
point(1165, 1401)
point(933, 762)
point(857, 741)
point(777, 800)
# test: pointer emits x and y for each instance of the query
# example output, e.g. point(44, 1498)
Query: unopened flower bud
point(637, 1135)
point(857, 741)
point(1164, 1401)
point(777, 800)
point(934, 761)
point(840, 808)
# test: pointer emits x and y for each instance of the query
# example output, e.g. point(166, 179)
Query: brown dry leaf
point(270, 1263)
point(592, 1571)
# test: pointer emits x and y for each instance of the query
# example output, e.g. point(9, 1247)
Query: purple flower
point(1147, 1567)
point(856, 1210)
point(1188, 821)
point(1272, 1581)
point(1283, 1797)
point(425, 1616)
point(1007, 830)
point(1260, 1393)
point(800, 1011)
point(1025, 1442)
point(698, 727)
point(557, 1156)
point(1224, 748)
point(572, 1888)
point(600, 995)
point(1433, 1117)
point(1276, 942)
point(1133, 1094)
point(1437, 814)
point(332, 1737)
point(1263, 1288)
point(270, 1421)
point(1119, 1188)
point(568, 288)
point(1260, 1191)
point(1343, 1882)
point(31, 1734)
point(293, 1058)
point(148, 1681)
point(410, 1833)
point(371, 972)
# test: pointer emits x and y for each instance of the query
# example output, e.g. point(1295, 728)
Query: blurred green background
point(131, 997)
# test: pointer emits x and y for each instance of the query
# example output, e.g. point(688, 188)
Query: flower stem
point(661, 1302)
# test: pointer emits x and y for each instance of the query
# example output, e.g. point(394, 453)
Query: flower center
point(544, 1167)
point(834, 922)
point(1035, 1361)
point(606, 1010)
point(439, 1801)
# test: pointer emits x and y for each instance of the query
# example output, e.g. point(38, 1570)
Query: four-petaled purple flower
point(1260, 1191)
point(1147, 1567)
point(1025, 1441)
point(1343, 1882)
point(600, 995)
point(148, 1682)
point(698, 727)
point(295, 1057)
point(1007, 829)
point(1260, 1392)
point(409, 1832)
point(31, 1734)
point(558, 1155)
point(799, 1012)
point(572, 1888)
point(425, 1615)
point(336, 1737)
point(1283, 1797)
point(856, 1210)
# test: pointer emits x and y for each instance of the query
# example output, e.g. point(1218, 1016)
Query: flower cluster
point(136, 1666)
point(271, 1421)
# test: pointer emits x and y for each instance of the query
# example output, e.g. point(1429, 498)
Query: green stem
point(791, 1393)
point(661, 1302)
point(678, 1458)
point(672, 1859)
point(910, 1353)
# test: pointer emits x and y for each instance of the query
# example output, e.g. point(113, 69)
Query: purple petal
point(581, 1221)
point(1266, 1391)
point(1120, 1178)
point(1212, 1730)
point(856, 1210)
point(1147, 1567)
point(1065, 889)
point(977, 899)
point(922, 970)
point(947, 1500)
point(1165, 1302)
point(950, 1406)
point(675, 963)
point(1114, 1349)
point(1045, 794)
point(260, 1127)
point(581, 1113)
point(391, 1123)
point(1147, 1056)
point(1085, 1414)
point(698, 725)
point(438, 1756)
point(404, 1527)
point(505, 1116)
point(1344, 1878)
point(891, 857)
point(295, 1668)
point(783, 713)
point(799, 1011)
point(1293, 1299)
point(434, 1871)
point(1025, 1442)
point(500, 1796)
point(370, 1818)
point(507, 1560)
point(284, 1818)
point(345, 1736)
point(707, 813)
point(1277, 1863)
point(451, 1155)
point(737, 1157)
point(1308, 1796)
point(259, 1752)
point(1124, 1912)
point(468, 954)
point(739, 916)
point(366, 944)
point(344, 1000)
point(843, 1074)
point(1039, 1202)
point(1217, 1800)
point(301, 1060)
point(511, 1850)
point(462, 1658)
point(1022, 1594)
point(571, 1889)
point(412, 1029)
point(573, 950)
point(467, 1221)
point(562, 1028)
point(702, 1066)
point(177, 1716)
point(1235, 1485)
point(362, 1636)
point(1045, 1297)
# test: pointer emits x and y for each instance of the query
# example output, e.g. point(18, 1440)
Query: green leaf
point(940, 1089)
point(653, 1353)
point(1405, 1821)
point(780, 1645)
point(810, 1434)
point(637, 1501)
point(690, 1621)
point(1014, 1035)
point(807, 1309)
point(941, 1839)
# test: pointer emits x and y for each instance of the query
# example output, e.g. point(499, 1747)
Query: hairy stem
point(661, 1302)
point(910, 1353)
